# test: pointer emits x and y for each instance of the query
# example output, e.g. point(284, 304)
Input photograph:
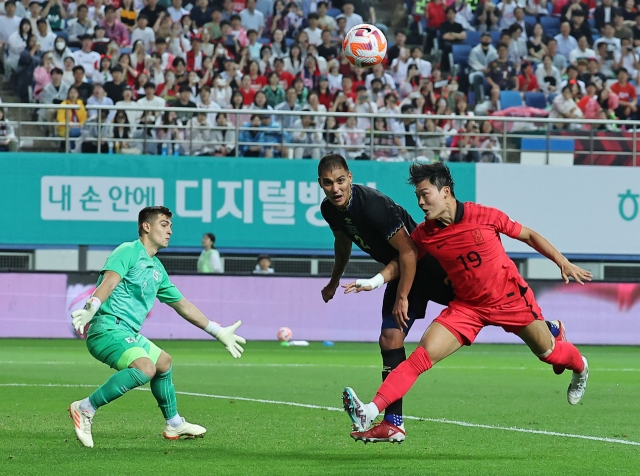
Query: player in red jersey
point(465, 239)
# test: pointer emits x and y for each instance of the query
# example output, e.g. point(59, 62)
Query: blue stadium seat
point(289, 42)
point(552, 96)
point(264, 41)
point(495, 37)
point(459, 58)
point(333, 12)
point(536, 100)
point(551, 25)
point(473, 38)
point(530, 20)
point(595, 37)
point(540, 144)
point(62, 34)
point(510, 99)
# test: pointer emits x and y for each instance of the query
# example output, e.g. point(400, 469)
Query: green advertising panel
point(248, 203)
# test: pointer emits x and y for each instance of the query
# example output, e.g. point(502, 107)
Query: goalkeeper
point(129, 283)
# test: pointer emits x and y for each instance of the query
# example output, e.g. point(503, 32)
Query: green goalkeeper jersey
point(143, 279)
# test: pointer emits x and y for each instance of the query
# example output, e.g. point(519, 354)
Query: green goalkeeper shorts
point(118, 348)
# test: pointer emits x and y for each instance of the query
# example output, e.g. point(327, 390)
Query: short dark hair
point(149, 214)
point(149, 85)
point(211, 236)
point(313, 16)
point(77, 68)
point(235, 16)
point(450, 9)
point(80, 7)
point(331, 162)
point(57, 71)
point(503, 45)
point(109, 8)
point(437, 174)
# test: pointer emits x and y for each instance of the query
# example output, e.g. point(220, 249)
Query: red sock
point(565, 354)
point(400, 380)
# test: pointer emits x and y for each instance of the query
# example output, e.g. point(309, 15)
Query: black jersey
point(370, 221)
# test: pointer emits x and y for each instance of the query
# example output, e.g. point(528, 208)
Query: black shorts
point(428, 285)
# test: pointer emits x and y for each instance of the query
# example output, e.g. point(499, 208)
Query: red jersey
point(625, 93)
point(472, 255)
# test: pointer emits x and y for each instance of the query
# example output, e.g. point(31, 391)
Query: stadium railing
point(517, 139)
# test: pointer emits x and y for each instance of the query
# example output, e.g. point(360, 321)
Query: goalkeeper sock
point(117, 385)
point(165, 393)
point(400, 380)
point(390, 360)
point(566, 355)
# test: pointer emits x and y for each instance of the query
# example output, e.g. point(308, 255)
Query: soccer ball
point(364, 46)
point(284, 334)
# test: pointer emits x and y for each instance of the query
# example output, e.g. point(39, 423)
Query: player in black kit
point(381, 228)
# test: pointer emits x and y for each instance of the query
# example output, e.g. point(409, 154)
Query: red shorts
point(465, 321)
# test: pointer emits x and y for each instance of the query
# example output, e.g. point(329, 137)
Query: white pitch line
point(235, 364)
point(336, 409)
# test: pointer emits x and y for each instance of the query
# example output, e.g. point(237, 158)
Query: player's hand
point(82, 317)
point(330, 290)
point(356, 286)
point(401, 312)
point(570, 270)
point(231, 341)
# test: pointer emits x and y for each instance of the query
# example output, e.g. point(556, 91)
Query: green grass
point(493, 385)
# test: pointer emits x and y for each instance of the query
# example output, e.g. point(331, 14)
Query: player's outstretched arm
point(226, 335)
point(81, 317)
point(539, 243)
point(389, 273)
point(342, 250)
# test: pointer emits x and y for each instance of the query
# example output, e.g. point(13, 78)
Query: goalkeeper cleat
point(578, 385)
point(357, 411)
point(186, 430)
point(560, 337)
point(382, 432)
point(82, 421)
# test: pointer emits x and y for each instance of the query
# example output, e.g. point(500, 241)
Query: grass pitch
point(251, 430)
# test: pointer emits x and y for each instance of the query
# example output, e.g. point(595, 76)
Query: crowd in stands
point(256, 56)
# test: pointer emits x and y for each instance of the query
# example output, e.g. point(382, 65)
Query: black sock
point(390, 360)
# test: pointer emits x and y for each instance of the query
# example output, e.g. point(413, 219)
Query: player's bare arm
point(389, 273)
point(81, 317)
point(226, 335)
point(342, 251)
point(407, 259)
point(567, 269)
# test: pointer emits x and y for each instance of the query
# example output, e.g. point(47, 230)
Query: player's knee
point(145, 366)
point(391, 339)
point(164, 363)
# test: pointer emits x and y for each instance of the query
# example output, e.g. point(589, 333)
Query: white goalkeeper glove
point(228, 338)
point(81, 317)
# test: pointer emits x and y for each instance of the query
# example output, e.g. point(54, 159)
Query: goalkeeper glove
point(81, 317)
point(228, 338)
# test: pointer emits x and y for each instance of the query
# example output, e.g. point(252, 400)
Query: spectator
point(559, 61)
point(621, 30)
point(53, 92)
point(378, 72)
point(127, 102)
point(536, 45)
point(275, 136)
point(486, 17)
point(589, 103)
point(628, 59)
point(252, 19)
point(352, 18)
point(260, 102)
point(629, 12)
point(277, 20)
point(435, 16)
point(489, 144)
point(461, 114)
point(451, 33)
point(480, 57)
point(34, 13)
point(82, 25)
point(83, 88)
point(364, 105)
point(123, 134)
point(266, 60)
point(593, 75)
point(289, 104)
point(603, 14)
point(223, 137)
point(73, 117)
point(209, 260)
point(89, 136)
point(330, 134)
point(184, 101)
point(525, 28)
point(573, 8)
point(60, 52)
point(301, 91)
point(54, 13)
point(96, 12)
point(580, 27)
point(433, 141)
point(8, 141)
point(636, 31)
point(502, 73)
point(608, 101)
point(127, 14)
point(200, 134)
point(293, 62)
point(316, 106)
point(566, 42)
point(274, 93)
point(384, 141)
point(265, 7)
point(42, 75)
point(313, 31)
point(213, 27)
point(341, 30)
point(152, 11)
point(221, 92)
point(400, 41)
point(113, 28)
point(9, 23)
point(325, 21)
point(491, 105)
point(86, 57)
point(251, 138)
point(307, 133)
point(582, 51)
point(264, 265)
point(400, 66)
point(176, 11)
point(507, 13)
point(548, 76)
point(143, 33)
point(517, 44)
point(227, 9)
point(351, 139)
point(99, 98)
point(150, 100)
point(238, 32)
point(116, 86)
point(465, 144)
point(628, 101)
point(564, 106)
point(528, 80)
point(16, 44)
point(406, 130)
point(170, 133)
point(30, 58)
point(424, 66)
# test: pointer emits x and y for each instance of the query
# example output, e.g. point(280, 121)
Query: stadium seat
point(530, 20)
point(289, 42)
point(473, 38)
point(510, 99)
point(552, 96)
point(459, 58)
point(62, 34)
point(495, 37)
point(550, 25)
point(333, 12)
point(536, 100)
point(264, 41)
